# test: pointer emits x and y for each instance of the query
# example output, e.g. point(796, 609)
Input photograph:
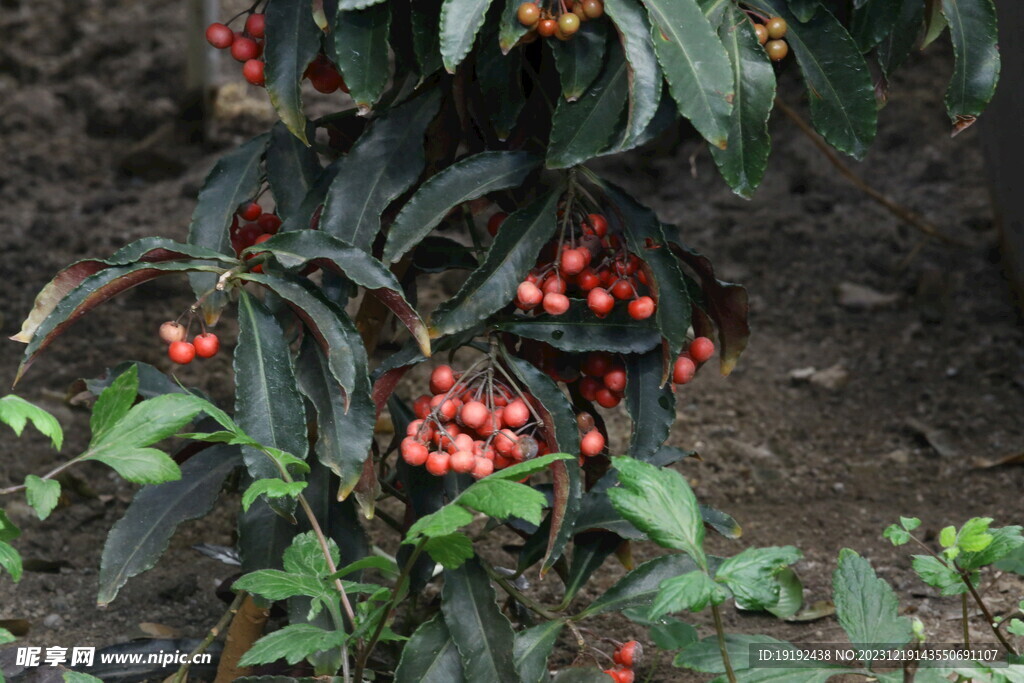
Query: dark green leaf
point(430, 656)
point(532, 648)
point(580, 130)
point(597, 512)
point(268, 405)
point(426, 39)
point(934, 23)
point(42, 494)
point(972, 25)
point(895, 48)
point(751, 575)
point(292, 170)
point(720, 522)
point(114, 402)
point(839, 84)
point(16, 412)
point(590, 550)
point(651, 406)
point(511, 30)
point(263, 536)
point(460, 22)
point(293, 40)
point(384, 163)
point(360, 46)
point(467, 179)
point(579, 60)
point(695, 64)
point(873, 21)
point(705, 656)
point(804, 9)
point(271, 488)
point(743, 162)
point(512, 254)
point(339, 520)
point(437, 254)
point(645, 77)
point(467, 601)
point(691, 591)
point(673, 634)
point(501, 84)
point(8, 530)
point(142, 535)
point(578, 329)
point(638, 588)
point(866, 606)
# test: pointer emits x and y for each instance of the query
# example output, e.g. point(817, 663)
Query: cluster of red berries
point(182, 351)
point(626, 657)
point(246, 45)
point(771, 34)
point(258, 227)
point(591, 263)
point(685, 367)
point(563, 22)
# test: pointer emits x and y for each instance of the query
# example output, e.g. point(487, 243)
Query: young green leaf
point(271, 488)
point(896, 534)
point(274, 584)
point(579, 60)
point(751, 575)
point(293, 643)
point(114, 402)
point(6, 637)
point(460, 22)
point(504, 499)
point(43, 494)
point(450, 550)
point(866, 606)
point(910, 523)
point(947, 537)
point(639, 587)
point(938, 575)
point(292, 170)
point(430, 656)
point(16, 412)
point(644, 77)
point(1003, 543)
point(533, 647)
point(445, 521)
point(305, 556)
point(972, 25)
point(359, 42)
point(973, 535)
point(11, 561)
point(691, 591)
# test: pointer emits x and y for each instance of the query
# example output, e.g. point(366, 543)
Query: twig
point(182, 674)
point(897, 209)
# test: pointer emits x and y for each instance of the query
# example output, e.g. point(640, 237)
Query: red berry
point(641, 308)
point(615, 380)
point(516, 414)
point(556, 304)
point(219, 35)
point(207, 345)
point(495, 221)
point(630, 653)
point(600, 302)
point(244, 49)
point(413, 428)
point(505, 442)
point(553, 284)
point(701, 349)
point(683, 370)
point(255, 25)
point(529, 295)
point(462, 462)
point(324, 77)
point(413, 452)
point(172, 332)
point(250, 211)
point(252, 71)
point(437, 463)
point(592, 443)
point(483, 467)
point(421, 407)
point(442, 379)
point(623, 289)
point(573, 261)
point(269, 223)
point(597, 363)
point(589, 387)
point(598, 224)
point(587, 279)
point(181, 352)
point(606, 398)
point(474, 414)
point(447, 408)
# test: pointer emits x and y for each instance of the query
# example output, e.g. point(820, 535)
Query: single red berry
point(600, 302)
point(252, 71)
point(437, 463)
point(589, 386)
point(255, 25)
point(553, 284)
point(505, 442)
point(587, 279)
point(447, 408)
point(630, 653)
point(421, 407)
point(172, 331)
point(413, 428)
point(269, 223)
point(483, 467)
point(529, 295)
point(528, 13)
point(219, 35)
point(606, 398)
point(414, 452)
point(207, 345)
point(597, 363)
point(623, 289)
point(516, 414)
point(615, 379)
point(568, 23)
point(442, 379)
point(701, 349)
point(573, 261)
point(762, 33)
point(181, 352)
point(495, 221)
point(547, 27)
point(244, 49)
point(250, 211)
point(462, 462)
point(324, 77)
point(683, 370)
point(598, 223)
point(592, 443)
point(474, 414)
point(641, 308)
point(556, 304)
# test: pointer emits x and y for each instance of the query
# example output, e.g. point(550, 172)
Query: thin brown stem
point(989, 619)
point(182, 674)
point(720, 632)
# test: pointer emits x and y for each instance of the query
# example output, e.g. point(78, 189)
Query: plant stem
point(720, 632)
point(963, 619)
point(989, 619)
point(514, 593)
point(182, 674)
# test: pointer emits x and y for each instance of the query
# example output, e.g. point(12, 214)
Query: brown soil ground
point(934, 383)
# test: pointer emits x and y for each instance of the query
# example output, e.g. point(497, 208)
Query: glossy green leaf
point(579, 60)
point(578, 329)
point(651, 405)
point(692, 592)
point(114, 402)
point(16, 412)
point(644, 74)
point(695, 64)
point(866, 606)
point(972, 26)
point(935, 23)
point(804, 9)
point(533, 647)
point(460, 22)
point(720, 522)
point(839, 85)
point(743, 162)
point(268, 405)
point(673, 634)
point(500, 77)
point(751, 575)
point(639, 587)
point(510, 30)
point(292, 42)
point(430, 656)
point(444, 521)
point(470, 610)
point(873, 21)
point(383, 164)
point(895, 48)
point(493, 285)
point(42, 494)
point(469, 178)
point(590, 550)
point(271, 488)
point(529, 467)
point(581, 129)
point(263, 536)
point(426, 39)
point(359, 44)
point(292, 170)
point(142, 535)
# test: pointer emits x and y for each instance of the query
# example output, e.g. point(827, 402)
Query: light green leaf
point(896, 534)
point(79, 677)
point(973, 535)
point(16, 412)
point(528, 467)
point(1005, 541)
point(43, 494)
point(441, 523)
point(6, 637)
point(271, 488)
point(751, 575)
point(305, 556)
point(10, 560)
point(115, 401)
point(274, 584)
point(139, 465)
point(937, 575)
point(504, 499)
point(450, 550)
point(148, 422)
point(866, 606)
point(947, 537)
point(910, 523)
point(691, 591)
point(293, 643)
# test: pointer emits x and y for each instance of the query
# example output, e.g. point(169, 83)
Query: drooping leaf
point(579, 60)
point(292, 644)
point(590, 550)
point(866, 606)
point(720, 522)
point(501, 85)
point(972, 26)
point(651, 406)
point(10, 561)
point(469, 178)
point(385, 161)
point(742, 163)
point(292, 170)
point(791, 594)
point(692, 591)
point(141, 536)
point(268, 405)
point(842, 95)
point(114, 402)
point(426, 39)
point(292, 41)
point(644, 73)
point(695, 64)
point(16, 412)
point(510, 29)
point(503, 499)
point(895, 48)
point(469, 608)
point(460, 22)
point(639, 587)
point(511, 255)
point(873, 21)
point(751, 575)
point(804, 9)
point(583, 128)
point(532, 649)
point(579, 330)
point(430, 656)
point(271, 488)
point(42, 494)
point(359, 43)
